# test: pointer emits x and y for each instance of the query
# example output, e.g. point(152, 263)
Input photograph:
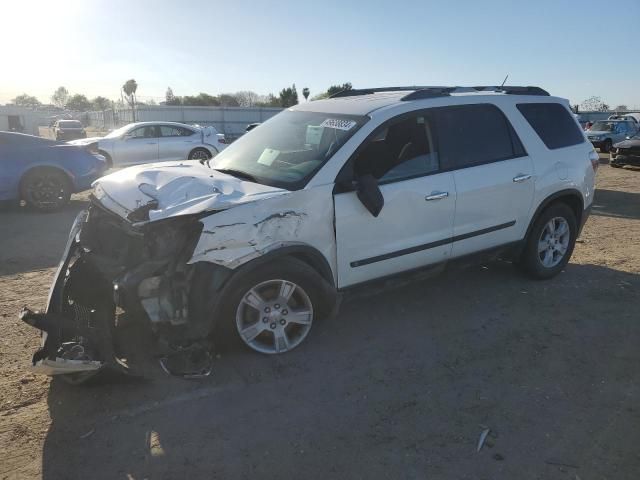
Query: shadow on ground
point(21, 242)
point(616, 203)
point(399, 385)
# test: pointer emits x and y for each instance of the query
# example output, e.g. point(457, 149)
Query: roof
point(158, 122)
point(365, 101)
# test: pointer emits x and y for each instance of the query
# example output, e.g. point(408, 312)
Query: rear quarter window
point(553, 123)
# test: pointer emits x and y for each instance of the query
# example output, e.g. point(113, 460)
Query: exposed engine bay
point(113, 268)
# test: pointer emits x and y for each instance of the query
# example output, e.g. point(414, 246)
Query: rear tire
point(550, 243)
point(45, 189)
point(199, 154)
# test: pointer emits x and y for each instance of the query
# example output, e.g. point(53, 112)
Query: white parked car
point(323, 197)
point(147, 142)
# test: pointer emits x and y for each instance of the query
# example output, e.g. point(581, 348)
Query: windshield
point(287, 149)
point(118, 132)
point(70, 124)
point(603, 127)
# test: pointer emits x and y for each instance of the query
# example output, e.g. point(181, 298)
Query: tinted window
point(170, 131)
point(553, 124)
point(475, 134)
point(402, 149)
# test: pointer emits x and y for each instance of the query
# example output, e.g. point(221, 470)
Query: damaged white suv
point(324, 196)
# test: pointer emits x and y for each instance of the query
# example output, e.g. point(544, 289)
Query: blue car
point(44, 173)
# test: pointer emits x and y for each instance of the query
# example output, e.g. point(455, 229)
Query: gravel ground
point(400, 385)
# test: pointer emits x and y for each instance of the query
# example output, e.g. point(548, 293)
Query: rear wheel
point(550, 242)
point(200, 154)
point(46, 189)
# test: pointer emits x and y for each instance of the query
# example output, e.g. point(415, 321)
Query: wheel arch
point(305, 253)
point(107, 156)
point(570, 197)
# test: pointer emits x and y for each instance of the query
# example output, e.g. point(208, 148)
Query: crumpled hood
point(631, 143)
point(179, 188)
point(85, 141)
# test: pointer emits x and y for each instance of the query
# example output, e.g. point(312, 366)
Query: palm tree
point(129, 88)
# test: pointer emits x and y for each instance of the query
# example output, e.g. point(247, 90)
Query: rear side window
point(475, 134)
point(553, 123)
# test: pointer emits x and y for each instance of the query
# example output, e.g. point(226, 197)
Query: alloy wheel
point(46, 191)
point(274, 316)
point(554, 242)
point(200, 155)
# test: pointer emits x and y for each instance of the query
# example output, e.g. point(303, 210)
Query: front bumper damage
point(112, 268)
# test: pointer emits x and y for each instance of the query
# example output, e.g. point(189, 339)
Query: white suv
point(325, 196)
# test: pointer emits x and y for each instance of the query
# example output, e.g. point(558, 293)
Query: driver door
point(415, 226)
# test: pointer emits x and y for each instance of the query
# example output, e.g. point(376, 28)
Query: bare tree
point(60, 97)
point(247, 98)
point(594, 104)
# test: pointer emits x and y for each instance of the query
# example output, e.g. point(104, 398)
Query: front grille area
point(107, 235)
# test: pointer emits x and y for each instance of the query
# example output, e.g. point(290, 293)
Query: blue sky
point(93, 46)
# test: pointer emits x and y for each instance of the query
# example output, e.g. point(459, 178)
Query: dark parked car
point(69, 130)
point(45, 173)
point(626, 152)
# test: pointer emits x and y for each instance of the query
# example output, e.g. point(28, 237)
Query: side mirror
point(127, 136)
point(369, 194)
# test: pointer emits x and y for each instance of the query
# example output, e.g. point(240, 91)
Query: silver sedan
point(148, 142)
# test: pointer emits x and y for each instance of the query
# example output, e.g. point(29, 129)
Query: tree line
point(287, 97)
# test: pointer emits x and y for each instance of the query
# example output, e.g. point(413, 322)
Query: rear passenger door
point(176, 142)
point(493, 176)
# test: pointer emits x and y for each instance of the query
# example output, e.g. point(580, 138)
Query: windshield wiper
point(238, 174)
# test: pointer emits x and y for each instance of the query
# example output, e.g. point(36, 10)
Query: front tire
point(46, 189)
point(606, 146)
point(550, 242)
point(271, 308)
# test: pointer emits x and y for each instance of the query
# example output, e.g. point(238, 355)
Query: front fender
point(301, 219)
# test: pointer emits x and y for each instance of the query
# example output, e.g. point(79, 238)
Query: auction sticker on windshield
point(338, 124)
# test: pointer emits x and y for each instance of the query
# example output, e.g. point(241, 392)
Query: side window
point(143, 132)
point(169, 131)
point(553, 124)
point(401, 150)
point(475, 134)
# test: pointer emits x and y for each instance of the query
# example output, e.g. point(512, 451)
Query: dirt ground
point(400, 385)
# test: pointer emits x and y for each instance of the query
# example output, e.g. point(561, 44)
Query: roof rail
point(422, 92)
point(368, 91)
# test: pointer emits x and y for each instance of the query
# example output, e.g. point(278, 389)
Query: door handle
point(436, 196)
point(523, 177)
point(151, 143)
